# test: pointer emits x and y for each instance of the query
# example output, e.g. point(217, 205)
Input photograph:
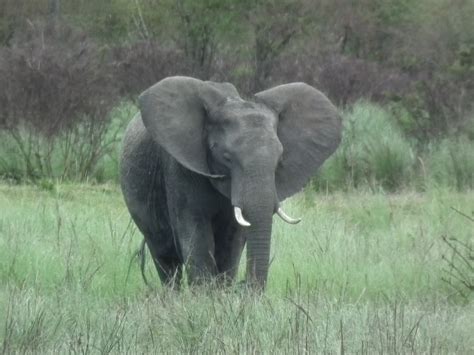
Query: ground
point(362, 273)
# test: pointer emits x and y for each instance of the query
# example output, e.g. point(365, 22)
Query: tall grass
point(450, 162)
point(373, 152)
point(361, 273)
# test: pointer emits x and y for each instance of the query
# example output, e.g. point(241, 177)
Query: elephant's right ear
point(174, 113)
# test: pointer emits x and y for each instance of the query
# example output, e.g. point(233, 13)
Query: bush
point(12, 166)
point(107, 167)
point(139, 65)
point(56, 93)
point(347, 80)
point(373, 152)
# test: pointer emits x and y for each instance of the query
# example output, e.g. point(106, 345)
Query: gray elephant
point(203, 171)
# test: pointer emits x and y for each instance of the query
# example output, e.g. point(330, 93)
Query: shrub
point(55, 95)
point(107, 168)
point(347, 80)
point(373, 152)
point(139, 65)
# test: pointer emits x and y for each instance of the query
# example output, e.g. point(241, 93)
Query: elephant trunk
point(258, 249)
point(256, 197)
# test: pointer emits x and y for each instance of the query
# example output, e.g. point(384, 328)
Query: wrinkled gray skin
point(197, 150)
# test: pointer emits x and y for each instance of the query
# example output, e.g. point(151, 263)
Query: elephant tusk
point(239, 218)
point(287, 218)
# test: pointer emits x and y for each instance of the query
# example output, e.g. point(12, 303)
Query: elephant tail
point(140, 255)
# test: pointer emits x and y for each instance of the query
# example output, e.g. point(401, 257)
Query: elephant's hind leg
point(170, 271)
point(165, 257)
point(162, 249)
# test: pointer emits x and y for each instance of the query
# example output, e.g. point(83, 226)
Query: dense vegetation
point(374, 154)
point(362, 273)
point(66, 66)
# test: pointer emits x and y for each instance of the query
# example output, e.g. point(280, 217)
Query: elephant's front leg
point(228, 256)
point(229, 243)
point(194, 235)
point(192, 203)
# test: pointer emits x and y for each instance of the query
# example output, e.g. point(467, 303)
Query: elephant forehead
point(247, 113)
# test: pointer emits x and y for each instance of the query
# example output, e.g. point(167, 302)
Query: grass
point(451, 163)
point(373, 152)
point(362, 273)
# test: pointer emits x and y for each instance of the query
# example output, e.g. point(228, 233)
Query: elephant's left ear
point(309, 129)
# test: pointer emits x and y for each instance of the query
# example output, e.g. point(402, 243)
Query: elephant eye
point(226, 156)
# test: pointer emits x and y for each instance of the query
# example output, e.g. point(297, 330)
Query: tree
point(275, 23)
point(54, 8)
point(196, 27)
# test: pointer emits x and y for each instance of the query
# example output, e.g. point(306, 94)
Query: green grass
point(450, 162)
point(373, 152)
point(362, 272)
point(376, 154)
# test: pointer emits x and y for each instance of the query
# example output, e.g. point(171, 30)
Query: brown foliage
point(139, 65)
point(55, 89)
point(348, 79)
point(52, 78)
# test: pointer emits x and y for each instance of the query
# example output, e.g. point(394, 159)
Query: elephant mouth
point(279, 211)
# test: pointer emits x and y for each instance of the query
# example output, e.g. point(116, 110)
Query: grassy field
point(363, 273)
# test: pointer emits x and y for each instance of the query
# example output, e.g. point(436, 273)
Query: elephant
point(204, 170)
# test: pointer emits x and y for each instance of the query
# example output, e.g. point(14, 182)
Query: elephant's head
point(257, 152)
